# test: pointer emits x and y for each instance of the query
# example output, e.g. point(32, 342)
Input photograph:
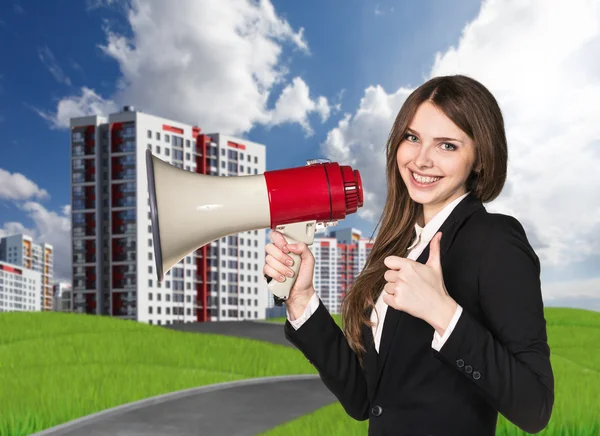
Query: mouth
point(423, 182)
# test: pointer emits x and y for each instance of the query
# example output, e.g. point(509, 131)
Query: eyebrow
point(435, 139)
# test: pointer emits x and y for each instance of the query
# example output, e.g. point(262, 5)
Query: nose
point(423, 159)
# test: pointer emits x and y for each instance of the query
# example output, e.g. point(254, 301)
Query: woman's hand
point(276, 265)
point(419, 289)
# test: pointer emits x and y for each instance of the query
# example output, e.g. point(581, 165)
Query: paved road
point(260, 330)
point(239, 408)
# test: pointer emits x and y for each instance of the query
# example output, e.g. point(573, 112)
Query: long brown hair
point(475, 111)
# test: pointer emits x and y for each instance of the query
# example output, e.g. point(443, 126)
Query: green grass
point(56, 367)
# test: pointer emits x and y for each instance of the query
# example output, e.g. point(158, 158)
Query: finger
point(390, 275)
point(278, 266)
point(390, 289)
point(396, 262)
point(434, 251)
point(278, 254)
point(277, 238)
point(271, 272)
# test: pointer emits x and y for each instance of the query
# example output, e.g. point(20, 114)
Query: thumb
point(434, 252)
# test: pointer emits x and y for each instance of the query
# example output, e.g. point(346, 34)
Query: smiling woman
point(434, 322)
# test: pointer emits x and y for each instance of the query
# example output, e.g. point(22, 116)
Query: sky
point(313, 79)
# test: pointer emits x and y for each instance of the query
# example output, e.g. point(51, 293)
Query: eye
point(411, 138)
point(451, 145)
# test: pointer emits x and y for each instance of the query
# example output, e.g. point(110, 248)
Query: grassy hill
point(56, 367)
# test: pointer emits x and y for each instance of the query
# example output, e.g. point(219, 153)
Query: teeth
point(425, 179)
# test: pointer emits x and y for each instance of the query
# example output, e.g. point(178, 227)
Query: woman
point(444, 329)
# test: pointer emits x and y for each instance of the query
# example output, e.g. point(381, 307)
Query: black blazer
point(496, 359)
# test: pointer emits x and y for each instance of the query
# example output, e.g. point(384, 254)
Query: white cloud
point(15, 186)
point(544, 70)
point(294, 105)
point(52, 228)
point(213, 64)
point(50, 62)
point(13, 228)
point(88, 103)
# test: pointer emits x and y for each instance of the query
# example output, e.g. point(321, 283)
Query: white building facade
point(114, 269)
point(20, 289)
point(20, 250)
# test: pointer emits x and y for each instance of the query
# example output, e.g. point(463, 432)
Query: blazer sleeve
point(507, 360)
point(325, 346)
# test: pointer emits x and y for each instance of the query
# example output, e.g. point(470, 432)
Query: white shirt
point(424, 236)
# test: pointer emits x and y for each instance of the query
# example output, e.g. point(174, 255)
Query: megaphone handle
point(281, 290)
point(296, 232)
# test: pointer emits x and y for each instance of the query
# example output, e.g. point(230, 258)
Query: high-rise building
point(20, 288)
point(20, 250)
point(114, 269)
point(340, 255)
point(62, 297)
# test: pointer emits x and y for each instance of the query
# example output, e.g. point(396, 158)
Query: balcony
point(124, 147)
point(123, 167)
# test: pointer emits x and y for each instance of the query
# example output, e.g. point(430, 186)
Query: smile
point(422, 182)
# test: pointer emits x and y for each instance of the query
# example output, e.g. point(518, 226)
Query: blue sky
point(342, 38)
point(361, 56)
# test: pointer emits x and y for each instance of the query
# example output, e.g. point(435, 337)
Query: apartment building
point(114, 270)
point(20, 288)
point(340, 255)
point(20, 250)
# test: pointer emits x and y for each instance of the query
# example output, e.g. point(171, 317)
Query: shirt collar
point(426, 233)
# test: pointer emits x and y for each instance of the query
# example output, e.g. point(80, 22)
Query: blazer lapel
point(393, 317)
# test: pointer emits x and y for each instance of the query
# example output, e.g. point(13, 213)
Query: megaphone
point(189, 210)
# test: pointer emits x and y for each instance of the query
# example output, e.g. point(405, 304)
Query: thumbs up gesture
point(419, 289)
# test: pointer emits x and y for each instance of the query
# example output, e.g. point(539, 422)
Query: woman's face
point(435, 146)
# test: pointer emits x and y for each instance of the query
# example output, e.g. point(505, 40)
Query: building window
point(150, 147)
point(187, 143)
point(255, 160)
point(150, 134)
point(167, 139)
point(150, 284)
point(167, 151)
point(158, 148)
point(158, 136)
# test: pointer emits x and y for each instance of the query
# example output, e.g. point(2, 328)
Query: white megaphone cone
point(189, 210)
